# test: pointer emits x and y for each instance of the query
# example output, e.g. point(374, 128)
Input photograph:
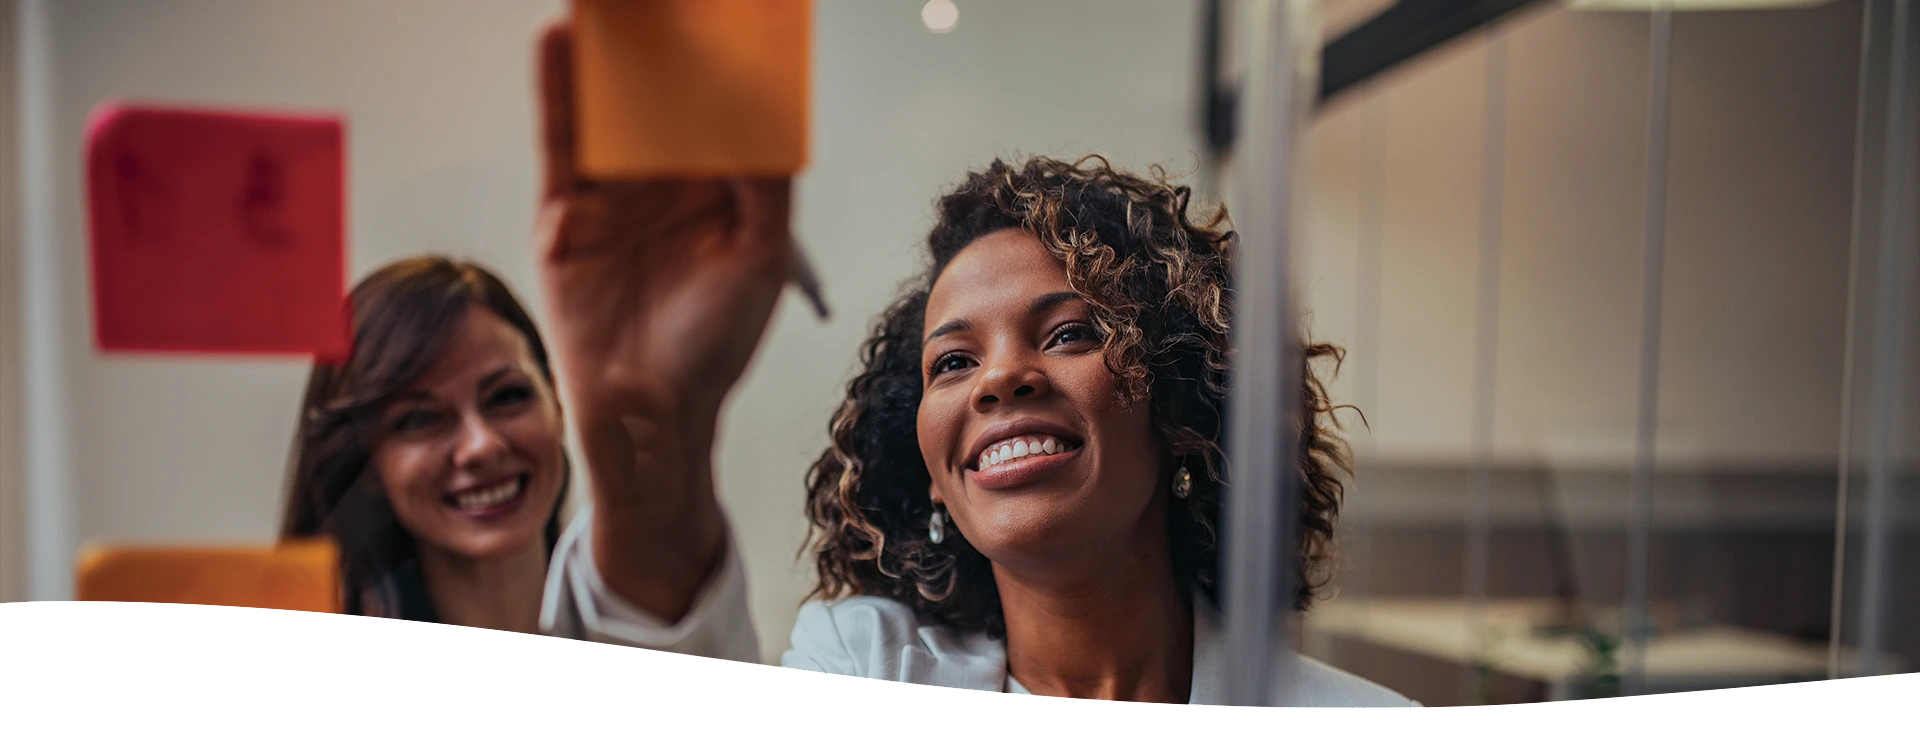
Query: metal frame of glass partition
point(1883, 213)
point(1263, 411)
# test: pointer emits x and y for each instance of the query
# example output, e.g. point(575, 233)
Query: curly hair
point(1157, 284)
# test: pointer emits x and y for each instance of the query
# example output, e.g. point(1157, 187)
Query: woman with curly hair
point(1023, 484)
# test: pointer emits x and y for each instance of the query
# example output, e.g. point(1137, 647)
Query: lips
point(1002, 435)
point(1019, 452)
point(491, 499)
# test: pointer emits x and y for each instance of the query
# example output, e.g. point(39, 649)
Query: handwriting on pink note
point(216, 231)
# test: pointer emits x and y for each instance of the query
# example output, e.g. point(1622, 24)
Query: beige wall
point(192, 449)
point(1760, 177)
point(437, 95)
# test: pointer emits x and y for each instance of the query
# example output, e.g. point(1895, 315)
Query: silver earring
point(937, 527)
point(1182, 482)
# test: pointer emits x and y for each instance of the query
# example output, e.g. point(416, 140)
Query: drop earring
point(1182, 482)
point(937, 527)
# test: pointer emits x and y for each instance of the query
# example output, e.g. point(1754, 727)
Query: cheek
point(1086, 382)
point(408, 471)
point(937, 425)
point(1126, 429)
point(538, 437)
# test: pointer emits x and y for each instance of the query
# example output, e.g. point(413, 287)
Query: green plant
point(1600, 675)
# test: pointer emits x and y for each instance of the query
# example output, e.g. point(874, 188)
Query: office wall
point(1760, 192)
point(1752, 346)
point(191, 448)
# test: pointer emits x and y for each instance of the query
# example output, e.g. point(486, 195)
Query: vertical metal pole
point(1888, 360)
point(1366, 331)
point(1265, 397)
point(49, 486)
point(1479, 525)
point(1653, 267)
point(1216, 99)
point(1844, 472)
point(13, 551)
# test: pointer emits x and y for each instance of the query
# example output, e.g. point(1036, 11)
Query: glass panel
point(1752, 327)
point(1880, 496)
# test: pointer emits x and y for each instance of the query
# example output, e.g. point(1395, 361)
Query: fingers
point(765, 211)
point(761, 224)
point(556, 108)
point(765, 207)
point(550, 229)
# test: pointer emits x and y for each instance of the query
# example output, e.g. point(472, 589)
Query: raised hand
point(657, 294)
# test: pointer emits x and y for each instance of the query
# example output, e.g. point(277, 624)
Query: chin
point(1016, 536)
point(1051, 526)
point(495, 545)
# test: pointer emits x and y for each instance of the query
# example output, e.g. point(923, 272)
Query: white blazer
point(877, 638)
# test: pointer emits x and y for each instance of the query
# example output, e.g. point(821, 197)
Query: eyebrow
point(1039, 305)
point(495, 376)
point(420, 395)
point(946, 329)
point(1052, 300)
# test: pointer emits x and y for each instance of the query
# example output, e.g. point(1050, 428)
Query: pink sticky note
point(217, 232)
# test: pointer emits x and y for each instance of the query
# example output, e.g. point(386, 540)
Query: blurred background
point(1493, 314)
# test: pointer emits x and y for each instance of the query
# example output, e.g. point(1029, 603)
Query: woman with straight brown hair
point(435, 455)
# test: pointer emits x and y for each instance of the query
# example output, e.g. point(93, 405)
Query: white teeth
point(489, 497)
point(1026, 446)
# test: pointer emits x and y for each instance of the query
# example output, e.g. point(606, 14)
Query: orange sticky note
point(302, 575)
point(691, 88)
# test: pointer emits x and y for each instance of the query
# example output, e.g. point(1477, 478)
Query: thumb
point(765, 207)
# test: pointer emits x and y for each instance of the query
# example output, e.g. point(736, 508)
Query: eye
point(512, 395)
point(414, 420)
point(1075, 333)
point(949, 362)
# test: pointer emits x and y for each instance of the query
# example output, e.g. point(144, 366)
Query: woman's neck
point(1120, 630)
point(502, 593)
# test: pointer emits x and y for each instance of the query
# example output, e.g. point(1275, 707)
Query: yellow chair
point(298, 575)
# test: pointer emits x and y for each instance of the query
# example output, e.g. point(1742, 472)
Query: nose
point(478, 445)
point(1012, 376)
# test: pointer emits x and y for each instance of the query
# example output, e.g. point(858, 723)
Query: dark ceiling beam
point(1399, 33)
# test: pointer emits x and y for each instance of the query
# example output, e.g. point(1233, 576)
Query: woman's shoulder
point(858, 622)
point(1299, 680)
point(865, 623)
point(1318, 684)
point(879, 638)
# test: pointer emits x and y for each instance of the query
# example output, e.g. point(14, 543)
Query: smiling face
point(471, 453)
point(1033, 455)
